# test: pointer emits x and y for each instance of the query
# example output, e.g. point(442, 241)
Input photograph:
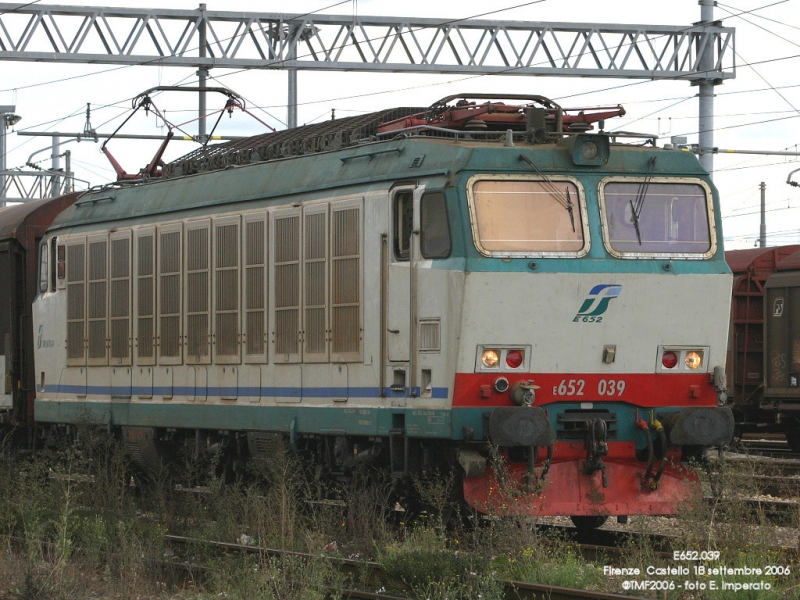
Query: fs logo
point(42, 343)
point(597, 303)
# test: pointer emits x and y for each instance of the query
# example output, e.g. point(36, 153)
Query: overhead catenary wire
point(594, 91)
point(20, 7)
point(346, 43)
point(217, 78)
point(463, 19)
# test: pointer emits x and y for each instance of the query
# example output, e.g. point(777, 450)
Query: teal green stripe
point(335, 420)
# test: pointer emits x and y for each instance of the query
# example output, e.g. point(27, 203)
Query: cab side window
point(434, 227)
point(403, 209)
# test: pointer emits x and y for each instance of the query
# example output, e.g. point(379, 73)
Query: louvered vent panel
point(120, 258)
point(96, 303)
point(97, 339)
point(315, 236)
point(227, 246)
point(287, 278)
point(345, 278)
point(315, 283)
point(145, 298)
point(315, 290)
point(97, 260)
point(119, 310)
point(120, 291)
point(287, 247)
point(255, 243)
point(146, 338)
point(197, 291)
point(227, 290)
point(315, 330)
point(254, 326)
point(197, 335)
point(120, 319)
point(198, 301)
point(255, 333)
point(75, 260)
point(169, 331)
point(429, 335)
point(346, 330)
point(197, 314)
point(171, 252)
point(170, 294)
point(345, 232)
point(97, 300)
point(75, 302)
point(345, 284)
point(226, 308)
point(255, 288)
point(286, 327)
point(119, 339)
point(197, 248)
point(170, 336)
point(75, 340)
point(287, 284)
point(145, 265)
point(255, 297)
point(226, 338)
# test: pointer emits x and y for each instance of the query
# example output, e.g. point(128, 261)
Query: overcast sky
point(758, 110)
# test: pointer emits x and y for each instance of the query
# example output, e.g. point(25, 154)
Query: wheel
point(586, 522)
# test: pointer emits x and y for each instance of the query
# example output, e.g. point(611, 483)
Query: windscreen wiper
point(636, 207)
point(569, 208)
point(563, 199)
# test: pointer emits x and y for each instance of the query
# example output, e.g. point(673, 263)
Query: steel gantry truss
point(362, 43)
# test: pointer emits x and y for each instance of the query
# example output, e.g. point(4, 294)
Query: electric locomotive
point(482, 287)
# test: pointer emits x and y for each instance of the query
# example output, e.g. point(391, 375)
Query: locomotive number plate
point(577, 387)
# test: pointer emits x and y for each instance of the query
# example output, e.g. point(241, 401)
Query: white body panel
point(332, 383)
point(539, 309)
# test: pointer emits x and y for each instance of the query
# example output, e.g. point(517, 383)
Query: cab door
point(400, 285)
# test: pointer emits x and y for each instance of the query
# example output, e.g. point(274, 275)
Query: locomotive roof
point(355, 168)
point(307, 139)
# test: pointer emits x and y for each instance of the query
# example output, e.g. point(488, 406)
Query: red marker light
point(514, 359)
point(669, 359)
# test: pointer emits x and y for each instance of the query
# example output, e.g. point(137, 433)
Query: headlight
point(693, 360)
point(490, 359)
point(682, 359)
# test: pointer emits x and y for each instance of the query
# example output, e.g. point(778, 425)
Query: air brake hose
point(642, 424)
point(533, 457)
point(662, 435)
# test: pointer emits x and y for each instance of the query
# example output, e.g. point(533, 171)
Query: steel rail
point(513, 589)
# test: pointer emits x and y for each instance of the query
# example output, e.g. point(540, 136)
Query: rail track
point(512, 590)
point(767, 445)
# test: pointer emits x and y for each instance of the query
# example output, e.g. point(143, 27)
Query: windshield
point(656, 217)
point(523, 217)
